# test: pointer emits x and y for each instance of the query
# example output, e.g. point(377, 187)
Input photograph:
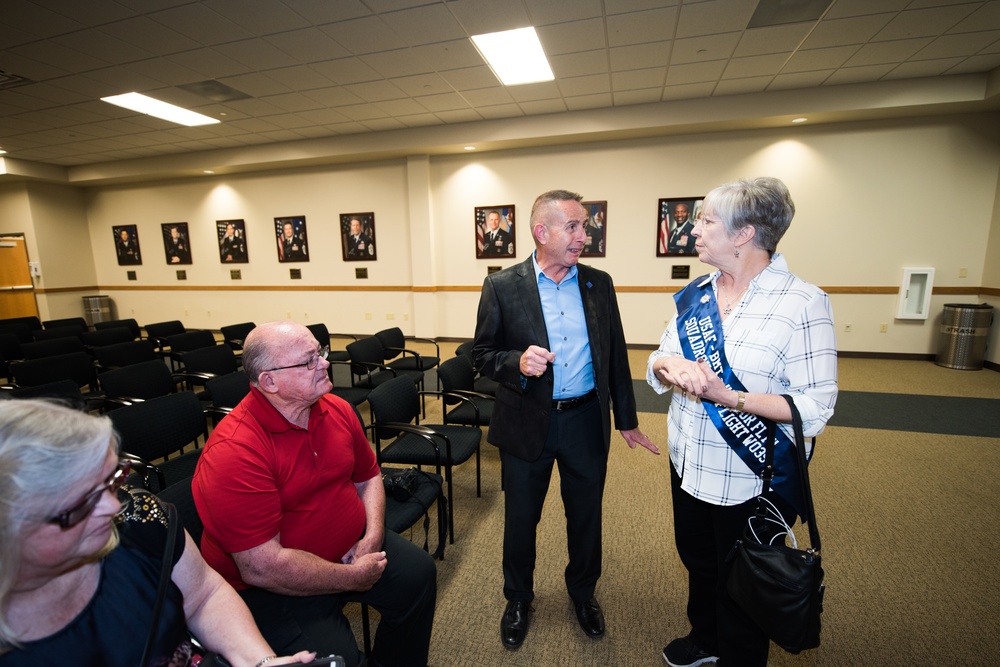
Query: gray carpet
point(948, 415)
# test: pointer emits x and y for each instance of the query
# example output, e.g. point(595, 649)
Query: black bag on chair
point(780, 587)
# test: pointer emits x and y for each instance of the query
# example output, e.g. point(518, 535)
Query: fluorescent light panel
point(149, 106)
point(515, 56)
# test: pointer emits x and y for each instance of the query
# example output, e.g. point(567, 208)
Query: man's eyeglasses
point(310, 365)
point(83, 509)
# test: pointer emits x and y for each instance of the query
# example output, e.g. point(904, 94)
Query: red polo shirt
point(261, 476)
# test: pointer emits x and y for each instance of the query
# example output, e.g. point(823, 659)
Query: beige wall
point(871, 199)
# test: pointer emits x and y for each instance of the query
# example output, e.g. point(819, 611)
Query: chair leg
point(479, 489)
point(366, 630)
point(451, 507)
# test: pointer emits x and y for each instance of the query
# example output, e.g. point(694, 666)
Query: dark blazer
point(510, 319)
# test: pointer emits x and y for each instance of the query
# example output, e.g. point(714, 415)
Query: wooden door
point(17, 291)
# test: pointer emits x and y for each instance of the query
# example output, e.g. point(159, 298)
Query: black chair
point(125, 354)
point(64, 391)
point(154, 430)
point(31, 322)
point(18, 329)
point(70, 330)
point(67, 321)
point(367, 369)
point(394, 345)
point(47, 348)
point(102, 337)
point(179, 495)
point(205, 363)
point(75, 366)
point(233, 335)
point(10, 350)
point(138, 382)
point(457, 377)
point(180, 344)
point(484, 385)
point(157, 332)
point(225, 393)
point(129, 324)
point(395, 407)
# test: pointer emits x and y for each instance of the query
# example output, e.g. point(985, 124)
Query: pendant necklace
point(729, 302)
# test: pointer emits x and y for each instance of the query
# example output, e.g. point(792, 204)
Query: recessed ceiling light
point(2, 152)
point(799, 120)
point(470, 148)
point(208, 171)
point(158, 109)
point(515, 56)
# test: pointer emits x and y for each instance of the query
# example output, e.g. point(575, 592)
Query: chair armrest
point(431, 341)
point(420, 431)
point(460, 396)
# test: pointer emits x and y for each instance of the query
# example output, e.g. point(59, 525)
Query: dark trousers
point(705, 534)
point(404, 596)
point(575, 441)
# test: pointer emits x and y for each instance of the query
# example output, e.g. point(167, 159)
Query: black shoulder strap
point(165, 570)
point(807, 499)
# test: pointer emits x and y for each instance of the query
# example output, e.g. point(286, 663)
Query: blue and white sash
point(699, 328)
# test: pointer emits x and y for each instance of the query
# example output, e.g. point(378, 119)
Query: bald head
point(265, 344)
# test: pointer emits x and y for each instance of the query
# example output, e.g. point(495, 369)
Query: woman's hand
point(688, 375)
point(298, 658)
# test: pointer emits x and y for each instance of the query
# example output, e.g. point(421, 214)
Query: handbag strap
point(165, 570)
point(807, 499)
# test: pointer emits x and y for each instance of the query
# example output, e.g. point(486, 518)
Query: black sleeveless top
point(111, 630)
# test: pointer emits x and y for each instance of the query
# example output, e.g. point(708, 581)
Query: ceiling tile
point(455, 54)
point(580, 102)
point(29, 17)
point(422, 84)
point(363, 112)
point(688, 91)
point(260, 17)
point(638, 79)
point(324, 116)
point(399, 62)
point(700, 49)
point(587, 85)
point(628, 97)
point(58, 57)
point(838, 32)
point(308, 45)
point(639, 56)
point(458, 116)
point(695, 72)
point(984, 63)
point(293, 102)
point(443, 102)
point(211, 64)
point(848, 8)
point(256, 85)
point(485, 97)
point(572, 37)
point(858, 74)
point(383, 124)
point(471, 78)
point(623, 6)
point(346, 70)
point(256, 54)
point(200, 23)
point(580, 64)
point(530, 92)
point(818, 59)
point(922, 22)
point(920, 68)
point(403, 107)
point(425, 25)
point(772, 39)
point(153, 38)
point(987, 17)
point(421, 120)
point(714, 16)
point(654, 25)
point(753, 84)
point(538, 107)
point(953, 46)
point(299, 77)
point(544, 12)
point(334, 96)
point(376, 91)
point(800, 80)
point(482, 16)
point(878, 53)
point(319, 13)
point(364, 35)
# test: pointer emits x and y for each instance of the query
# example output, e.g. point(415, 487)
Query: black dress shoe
point(590, 616)
point(514, 624)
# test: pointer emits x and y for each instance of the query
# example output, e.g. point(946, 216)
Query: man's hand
point(368, 569)
point(635, 437)
point(535, 360)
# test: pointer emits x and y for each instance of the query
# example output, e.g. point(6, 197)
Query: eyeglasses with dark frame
point(310, 365)
point(85, 507)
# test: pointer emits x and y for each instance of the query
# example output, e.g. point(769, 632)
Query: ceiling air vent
point(8, 80)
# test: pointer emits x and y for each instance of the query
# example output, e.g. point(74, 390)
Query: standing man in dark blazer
point(550, 333)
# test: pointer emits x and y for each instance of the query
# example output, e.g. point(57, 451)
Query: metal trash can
point(97, 309)
point(964, 329)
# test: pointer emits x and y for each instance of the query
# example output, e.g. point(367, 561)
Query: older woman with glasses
point(79, 573)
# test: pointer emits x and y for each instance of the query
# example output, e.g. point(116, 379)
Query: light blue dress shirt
point(566, 324)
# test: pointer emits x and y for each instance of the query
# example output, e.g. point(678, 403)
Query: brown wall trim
point(625, 289)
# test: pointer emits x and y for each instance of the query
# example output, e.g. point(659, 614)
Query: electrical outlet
point(390, 316)
point(185, 312)
point(883, 328)
point(288, 315)
point(847, 328)
point(208, 312)
point(406, 317)
point(368, 316)
point(963, 273)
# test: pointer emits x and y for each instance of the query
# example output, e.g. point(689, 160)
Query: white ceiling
point(394, 74)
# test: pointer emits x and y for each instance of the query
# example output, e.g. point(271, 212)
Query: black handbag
point(780, 587)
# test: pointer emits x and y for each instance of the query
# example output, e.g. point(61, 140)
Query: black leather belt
point(570, 403)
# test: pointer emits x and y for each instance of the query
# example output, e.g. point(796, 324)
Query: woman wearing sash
point(743, 336)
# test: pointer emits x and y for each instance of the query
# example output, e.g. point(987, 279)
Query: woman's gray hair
point(763, 203)
point(45, 447)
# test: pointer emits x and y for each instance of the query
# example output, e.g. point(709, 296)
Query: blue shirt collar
point(539, 273)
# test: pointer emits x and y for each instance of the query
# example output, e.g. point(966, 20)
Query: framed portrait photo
point(495, 231)
point(293, 243)
point(357, 234)
point(127, 244)
point(176, 246)
point(232, 241)
point(597, 228)
point(675, 221)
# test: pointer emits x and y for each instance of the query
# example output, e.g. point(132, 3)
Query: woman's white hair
point(45, 447)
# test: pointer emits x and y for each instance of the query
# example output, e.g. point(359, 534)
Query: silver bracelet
point(265, 660)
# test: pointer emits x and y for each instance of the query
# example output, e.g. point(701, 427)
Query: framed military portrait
point(597, 230)
point(495, 231)
point(127, 244)
point(675, 221)
point(293, 243)
point(176, 245)
point(232, 241)
point(357, 235)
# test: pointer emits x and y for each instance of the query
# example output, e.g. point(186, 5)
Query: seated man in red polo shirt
point(293, 505)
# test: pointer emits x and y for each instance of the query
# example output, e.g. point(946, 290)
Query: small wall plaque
point(182, 275)
point(236, 274)
point(493, 269)
point(360, 274)
point(130, 275)
point(295, 274)
point(680, 272)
